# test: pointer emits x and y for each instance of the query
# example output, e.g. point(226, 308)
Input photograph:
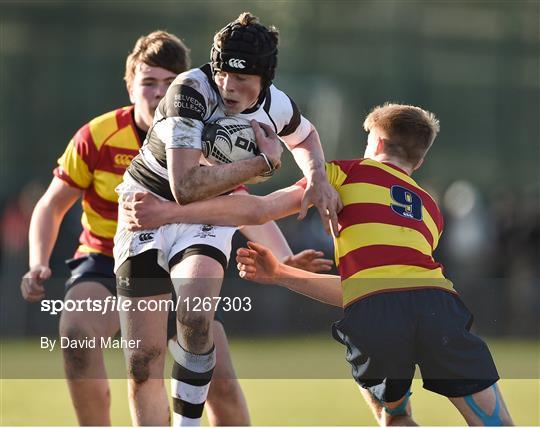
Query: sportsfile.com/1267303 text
point(111, 303)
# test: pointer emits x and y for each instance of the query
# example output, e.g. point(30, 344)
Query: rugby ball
point(230, 139)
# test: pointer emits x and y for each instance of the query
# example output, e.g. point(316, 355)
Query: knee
point(77, 358)
point(140, 363)
point(194, 325)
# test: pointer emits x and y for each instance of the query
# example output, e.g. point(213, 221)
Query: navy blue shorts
point(93, 267)
point(388, 334)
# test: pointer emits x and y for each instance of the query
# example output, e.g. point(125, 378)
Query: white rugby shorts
point(169, 239)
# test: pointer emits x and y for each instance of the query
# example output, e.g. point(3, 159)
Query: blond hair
point(410, 129)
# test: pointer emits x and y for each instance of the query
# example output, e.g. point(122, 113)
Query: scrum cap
point(244, 46)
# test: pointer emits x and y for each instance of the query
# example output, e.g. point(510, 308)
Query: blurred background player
point(92, 167)
point(238, 82)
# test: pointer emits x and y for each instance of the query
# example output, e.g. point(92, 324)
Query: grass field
point(309, 385)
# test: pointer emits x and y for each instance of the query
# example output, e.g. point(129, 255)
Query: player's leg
point(226, 404)
point(395, 413)
point(197, 275)
point(140, 280)
point(456, 363)
point(145, 364)
point(484, 408)
point(379, 335)
point(84, 367)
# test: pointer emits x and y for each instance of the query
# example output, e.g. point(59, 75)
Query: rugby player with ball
point(237, 82)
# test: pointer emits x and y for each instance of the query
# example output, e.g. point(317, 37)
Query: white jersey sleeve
point(291, 126)
point(300, 134)
point(188, 103)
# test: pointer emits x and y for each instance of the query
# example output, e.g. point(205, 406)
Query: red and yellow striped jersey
point(388, 230)
point(94, 161)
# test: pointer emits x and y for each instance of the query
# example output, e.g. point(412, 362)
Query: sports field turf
point(293, 396)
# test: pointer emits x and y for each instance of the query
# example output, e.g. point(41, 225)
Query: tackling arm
point(270, 235)
point(257, 263)
point(145, 211)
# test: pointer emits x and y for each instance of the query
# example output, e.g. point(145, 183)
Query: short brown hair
point(410, 129)
point(158, 49)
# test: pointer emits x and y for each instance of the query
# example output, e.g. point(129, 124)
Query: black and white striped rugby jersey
point(191, 101)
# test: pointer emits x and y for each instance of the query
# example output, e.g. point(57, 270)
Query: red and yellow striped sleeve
point(76, 166)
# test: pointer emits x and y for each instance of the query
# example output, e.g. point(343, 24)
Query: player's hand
point(32, 283)
point(257, 263)
point(268, 142)
point(310, 260)
point(327, 201)
point(144, 211)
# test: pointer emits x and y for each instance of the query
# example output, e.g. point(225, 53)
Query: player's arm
point(257, 263)
point(44, 226)
point(145, 211)
point(182, 113)
point(270, 235)
point(309, 156)
point(190, 183)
